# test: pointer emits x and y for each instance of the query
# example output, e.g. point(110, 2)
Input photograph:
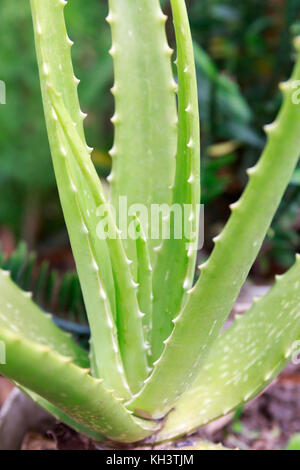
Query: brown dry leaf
point(34, 441)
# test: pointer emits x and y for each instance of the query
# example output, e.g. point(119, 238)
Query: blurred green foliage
point(294, 443)
point(26, 174)
point(242, 50)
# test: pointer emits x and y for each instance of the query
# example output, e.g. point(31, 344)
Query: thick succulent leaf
point(145, 109)
point(174, 271)
point(244, 359)
point(69, 388)
point(21, 317)
point(105, 355)
point(144, 280)
point(55, 67)
point(210, 301)
point(19, 314)
point(89, 210)
point(60, 415)
point(44, 359)
point(129, 317)
point(56, 71)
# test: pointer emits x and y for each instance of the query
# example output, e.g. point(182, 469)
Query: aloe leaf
point(32, 339)
point(144, 280)
point(244, 359)
point(35, 325)
point(129, 317)
point(211, 299)
point(145, 116)
point(174, 271)
point(105, 356)
point(101, 253)
point(55, 67)
point(56, 71)
point(60, 415)
point(104, 351)
point(70, 388)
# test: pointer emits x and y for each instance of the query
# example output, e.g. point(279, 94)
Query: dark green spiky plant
point(157, 350)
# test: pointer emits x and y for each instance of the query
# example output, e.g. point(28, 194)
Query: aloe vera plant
point(156, 349)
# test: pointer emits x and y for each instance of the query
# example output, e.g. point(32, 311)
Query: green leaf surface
point(70, 388)
point(129, 317)
point(47, 362)
point(60, 415)
point(294, 442)
point(212, 298)
point(144, 281)
point(174, 271)
point(55, 67)
point(244, 359)
point(145, 116)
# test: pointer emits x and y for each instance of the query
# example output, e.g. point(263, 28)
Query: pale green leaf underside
point(46, 361)
point(70, 388)
point(244, 359)
point(60, 415)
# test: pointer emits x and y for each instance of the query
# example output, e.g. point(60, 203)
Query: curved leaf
point(244, 359)
point(212, 298)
